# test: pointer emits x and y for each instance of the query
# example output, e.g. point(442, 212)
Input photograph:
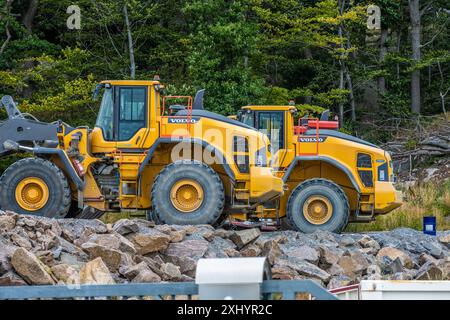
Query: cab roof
point(270, 108)
point(131, 82)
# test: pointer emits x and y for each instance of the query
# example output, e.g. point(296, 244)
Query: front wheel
point(187, 192)
point(318, 204)
point(35, 186)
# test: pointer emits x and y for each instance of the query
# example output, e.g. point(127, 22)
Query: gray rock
point(11, 279)
point(243, 237)
point(304, 252)
point(328, 256)
point(125, 226)
point(7, 223)
point(30, 268)
point(6, 252)
point(188, 248)
point(304, 268)
point(353, 264)
point(429, 271)
point(282, 272)
point(251, 250)
point(339, 281)
point(150, 242)
point(394, 253)
point(347, 241)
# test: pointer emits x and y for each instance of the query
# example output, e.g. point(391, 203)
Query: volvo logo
point(312, 139)
point(183, 120)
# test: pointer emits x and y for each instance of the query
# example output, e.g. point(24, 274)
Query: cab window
point(272, 124)
point(132, 111)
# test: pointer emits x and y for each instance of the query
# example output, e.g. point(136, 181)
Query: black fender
point(67, 165)
point(12, 146)
point(219, 156)
point(324, 159)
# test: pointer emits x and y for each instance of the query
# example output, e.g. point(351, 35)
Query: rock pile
point(39, 251)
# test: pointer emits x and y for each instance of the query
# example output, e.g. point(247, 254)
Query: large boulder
point(429, 271)
point(170, 271)
point(304, 252)
point(189, 248)
point(110, 257)
point(328, 256)
point(304, 268)
point(353, 263)
point(243, 237)
point(282, 272)
point(21, 241)
point(251, 250)
point(125, 226)
point(66, 273)
point(95, 272)
point(394, 253)
point(30, 268)
point(152, 241)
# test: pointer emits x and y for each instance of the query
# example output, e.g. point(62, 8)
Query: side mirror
point(239, 115)
point(97, 89)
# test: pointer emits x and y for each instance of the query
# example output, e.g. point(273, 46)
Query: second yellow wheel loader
point(331, 178)
point(184, 167)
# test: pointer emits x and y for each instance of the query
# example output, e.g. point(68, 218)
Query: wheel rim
point(32, 194)
point(186, 195)
point(317, 210)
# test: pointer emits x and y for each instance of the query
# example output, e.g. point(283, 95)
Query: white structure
point(231, 279)
point(404, 290)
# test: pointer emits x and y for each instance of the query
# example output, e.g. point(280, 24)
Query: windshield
point(248, 119)
point(105, 116)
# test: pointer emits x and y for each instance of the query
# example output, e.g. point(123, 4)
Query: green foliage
point(242, 52)
point(220, 51)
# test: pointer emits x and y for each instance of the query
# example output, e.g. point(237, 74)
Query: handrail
point(287, 289)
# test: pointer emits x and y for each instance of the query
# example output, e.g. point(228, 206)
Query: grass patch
point(430, 199)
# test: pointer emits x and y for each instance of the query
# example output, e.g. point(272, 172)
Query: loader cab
point(126, 116)
point(274, 121)
point(271, 121)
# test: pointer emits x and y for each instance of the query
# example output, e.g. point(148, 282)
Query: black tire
point(59, 199)
point(213, 202)
point(318, 187)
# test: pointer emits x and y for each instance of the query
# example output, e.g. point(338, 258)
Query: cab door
point(272, 124)
point(131, 117)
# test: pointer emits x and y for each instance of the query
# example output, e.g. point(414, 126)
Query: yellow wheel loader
point(331, 178)
point(180, 163)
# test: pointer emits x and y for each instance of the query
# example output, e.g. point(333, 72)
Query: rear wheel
point(318, 204)
point(187, 192)
point(35, 186)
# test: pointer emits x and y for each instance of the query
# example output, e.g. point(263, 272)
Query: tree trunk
point(7, 10)
point(28, 18)
point(130, 43)
point(383, 51)
point(309, 56)
point(414, 13)
point(341, 86)
point(351, 95)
